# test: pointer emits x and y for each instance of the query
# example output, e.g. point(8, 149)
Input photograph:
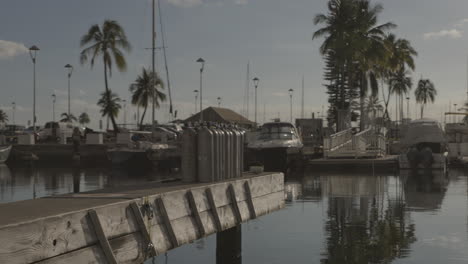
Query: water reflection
point(425, 192)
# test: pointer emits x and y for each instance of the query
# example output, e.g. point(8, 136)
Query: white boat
point(4, 153)
point(277, 146)
point(425, 146)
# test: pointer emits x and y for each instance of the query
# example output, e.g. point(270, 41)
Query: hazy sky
point(274, 35)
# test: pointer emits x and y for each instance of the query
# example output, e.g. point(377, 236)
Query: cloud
point(451, 33)
point(192, 3)
point(461, 22)
point(280, 94)
point(9, 49)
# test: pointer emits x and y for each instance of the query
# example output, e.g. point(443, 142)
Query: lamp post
point(33, 54)
point(256, 81)
point(196, 100)
point(202, 62)
point(407, 107)
point(53, 106)
point(219, 101)
point(70, 71)
point(13, 110)
point(290, 102)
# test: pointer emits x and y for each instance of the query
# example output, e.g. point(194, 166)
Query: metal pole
point(69, 75)
point(14, 109)
point(125, 114)
point(153, 70)
point(256, 86)
point(201, 95)
point(407, 106)
point(34, 94)
point(290, 110)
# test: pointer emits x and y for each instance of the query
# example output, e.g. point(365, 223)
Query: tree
point(142, 91)
point(425, 93)
point(400, 84)
point(110, 106)
point(108, 41)
point(354, 51)
point(67, 118)
point(83, 119)
point(3, 116)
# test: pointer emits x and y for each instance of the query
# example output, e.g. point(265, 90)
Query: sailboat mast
point(302, 103)
point(165, 58)
point(153, 44)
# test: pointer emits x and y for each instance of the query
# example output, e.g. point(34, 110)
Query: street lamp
point(13, 108)
point(256, 81)
point(455, 117)
point(53, 106)
point(196, 99)
point(290, 102)
point(219, 101)
point(33, 53)
point(70, 71)
point(202, 61)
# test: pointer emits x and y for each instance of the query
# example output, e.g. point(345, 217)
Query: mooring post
point(229, 246)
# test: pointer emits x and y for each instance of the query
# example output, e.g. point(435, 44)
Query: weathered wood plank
point(167, 222)
point(196, 214)
point(101, 236)
point(249, 200)
point(214, 209)
point(143, 230)
point(235, 206)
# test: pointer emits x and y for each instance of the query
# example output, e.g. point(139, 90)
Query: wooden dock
point(131, 224)
point(389, 161)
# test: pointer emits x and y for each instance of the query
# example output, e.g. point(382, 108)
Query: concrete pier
point(131, 224)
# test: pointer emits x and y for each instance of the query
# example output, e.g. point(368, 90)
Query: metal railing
point(365, 143)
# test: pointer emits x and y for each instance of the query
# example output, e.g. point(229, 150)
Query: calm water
point(329, 218)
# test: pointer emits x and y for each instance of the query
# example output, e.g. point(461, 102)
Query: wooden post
point(167, 222)
point(229, 246)
point(195, 213)
point(214, 210)
point(249, 200)
point(103, 242)
point(143, 230)
point(235, 206)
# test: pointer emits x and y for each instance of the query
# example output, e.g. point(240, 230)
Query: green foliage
point(84, 119)
point(67, 118)
point(3, 116)
point(358, 52)
point(110, 104)
point(425, 93)
point(144, 89)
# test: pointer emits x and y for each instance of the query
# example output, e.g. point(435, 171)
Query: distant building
point(221, 115)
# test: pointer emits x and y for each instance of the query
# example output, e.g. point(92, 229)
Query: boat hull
point(279, 159)
point(127, 158)
point(4, 153)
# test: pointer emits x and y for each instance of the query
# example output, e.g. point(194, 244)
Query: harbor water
point(329, 217)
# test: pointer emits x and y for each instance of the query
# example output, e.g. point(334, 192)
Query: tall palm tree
point(401, 57)
point(143, 89)
point(68, 118)
point(3, 116)
point(425, 93)
point(110, 106)
point(400, 84)
point(107, 41)
point(83, 119)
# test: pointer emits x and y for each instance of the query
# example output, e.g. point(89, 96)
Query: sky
point(273, 36)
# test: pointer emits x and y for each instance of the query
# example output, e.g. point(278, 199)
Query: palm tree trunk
point(143, 117)
point(422, 111)
point(116, 129)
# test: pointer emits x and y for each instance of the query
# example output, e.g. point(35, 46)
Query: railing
point(362, 144)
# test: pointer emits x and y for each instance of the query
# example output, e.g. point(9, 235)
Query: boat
point(277, 146)
point(130, 149)
point(4, 153)
point(425, 146)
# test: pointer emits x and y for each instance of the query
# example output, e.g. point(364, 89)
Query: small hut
point(221, 115)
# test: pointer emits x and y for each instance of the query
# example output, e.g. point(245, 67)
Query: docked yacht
point(425, 146)
point(276, 145)
point(4, 153)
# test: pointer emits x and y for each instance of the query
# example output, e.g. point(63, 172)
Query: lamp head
point(202, 61)
point(33, 48)
point(290, 91)
point(256, 81)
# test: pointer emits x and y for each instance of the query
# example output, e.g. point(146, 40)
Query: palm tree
point(143, 89)
point(108, 42)
point(110, 106)
point(3, 116)
point(83, 119)
point(425, 93)
point(400, 84)
point(67, 118)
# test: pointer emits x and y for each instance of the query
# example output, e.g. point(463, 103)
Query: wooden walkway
point(131, 224)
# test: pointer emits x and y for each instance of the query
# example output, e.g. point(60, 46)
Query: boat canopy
point(424, 131)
